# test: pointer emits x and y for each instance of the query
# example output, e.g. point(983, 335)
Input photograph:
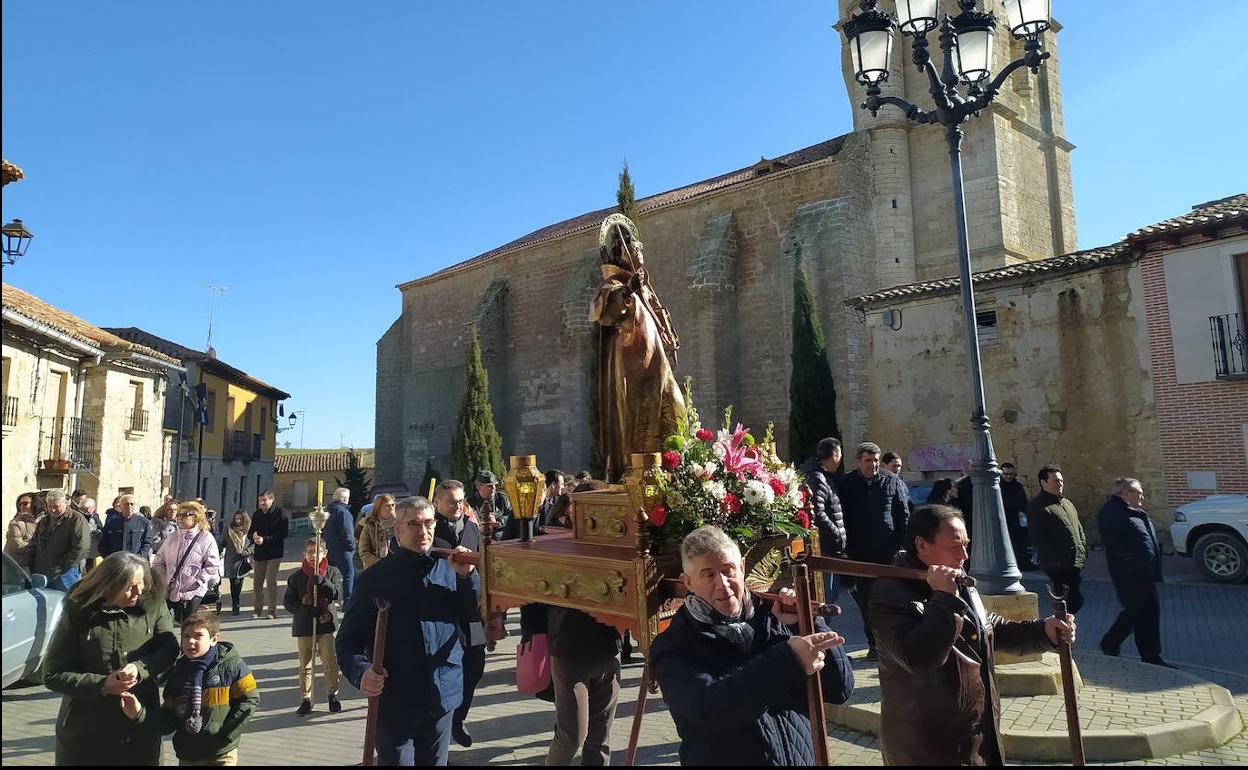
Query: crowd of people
point(731, 666)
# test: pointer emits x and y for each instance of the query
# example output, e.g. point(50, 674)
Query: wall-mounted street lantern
point(16, 240)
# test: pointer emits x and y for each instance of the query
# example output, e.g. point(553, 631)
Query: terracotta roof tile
point(26, 304)
point(1229, 209)
point(592, 219)
point(315, 462)
point(11, 173)
point(1067, 263)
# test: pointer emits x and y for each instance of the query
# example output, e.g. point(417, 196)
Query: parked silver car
point(31, 611)
point(1214, 532)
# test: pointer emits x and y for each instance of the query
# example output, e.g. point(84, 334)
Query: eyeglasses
point(422, 523)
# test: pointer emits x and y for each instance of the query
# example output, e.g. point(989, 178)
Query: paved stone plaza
point(1206, 619)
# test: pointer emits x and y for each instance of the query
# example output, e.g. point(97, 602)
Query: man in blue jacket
point(732, 668)
point(421, 683)
point(1134, 559)
point(128, 531)
point(339, 537)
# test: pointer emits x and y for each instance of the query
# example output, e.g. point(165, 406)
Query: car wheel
point(1222, 557)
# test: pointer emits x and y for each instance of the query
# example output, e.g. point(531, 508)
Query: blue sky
point(313, 155)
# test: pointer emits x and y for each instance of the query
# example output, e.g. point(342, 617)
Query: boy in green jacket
point(209, 697)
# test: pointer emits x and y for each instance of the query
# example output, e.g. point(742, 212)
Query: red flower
point(658, 515)
point(731, 503)
point(805, 495)
point(778, 487)
point(671, 459)
point(803, 518)
point(705, 434)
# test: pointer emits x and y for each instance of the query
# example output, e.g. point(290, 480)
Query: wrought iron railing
point(71, 438)
point(10, 411)
point(1230, 344)
point(238, 446)
point(136, 420)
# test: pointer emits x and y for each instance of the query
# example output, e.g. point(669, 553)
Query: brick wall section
point(1200, 421)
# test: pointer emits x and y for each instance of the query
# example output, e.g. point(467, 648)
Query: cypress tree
point(625, 198)
point(431, 475)
point(476, 445)
point(357, 480)
point(812, 394)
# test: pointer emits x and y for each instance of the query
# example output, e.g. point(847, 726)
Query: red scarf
point(322, 599)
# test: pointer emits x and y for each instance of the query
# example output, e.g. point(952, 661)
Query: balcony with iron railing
point(1230, 346)
point(69, 443)
point(242, 446)
point(136, 420)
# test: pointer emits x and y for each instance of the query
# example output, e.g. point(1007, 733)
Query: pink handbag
point(533, 665)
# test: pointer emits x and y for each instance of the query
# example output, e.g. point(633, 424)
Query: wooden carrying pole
point(868, 569)
point(378, 663)
point(814, 690)
point(634, 735)
point(1073, 730)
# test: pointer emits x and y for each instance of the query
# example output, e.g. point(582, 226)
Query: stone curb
point(1207, 729)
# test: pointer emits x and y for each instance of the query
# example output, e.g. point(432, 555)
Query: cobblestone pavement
point(1202, 623)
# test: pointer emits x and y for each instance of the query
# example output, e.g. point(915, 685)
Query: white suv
point(1214, 532)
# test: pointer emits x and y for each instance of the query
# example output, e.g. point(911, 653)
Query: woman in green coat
point(115, 635)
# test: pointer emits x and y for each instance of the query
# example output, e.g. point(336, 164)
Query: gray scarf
point(737, 630)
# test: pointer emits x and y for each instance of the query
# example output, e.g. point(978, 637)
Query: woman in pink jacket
point(189, 561)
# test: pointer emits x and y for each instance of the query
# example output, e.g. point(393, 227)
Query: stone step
point(1128, 711)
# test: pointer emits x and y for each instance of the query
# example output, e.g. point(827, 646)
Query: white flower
point(720, 449)
point(795, 498)
point(758, 493)
point(710, 468)
point(675, 499)
point(715, 488)
point(789, 476)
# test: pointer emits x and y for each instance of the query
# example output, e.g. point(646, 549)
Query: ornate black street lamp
point(16, 239)
point(967, 43)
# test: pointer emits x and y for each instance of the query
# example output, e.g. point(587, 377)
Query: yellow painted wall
point(224, 420)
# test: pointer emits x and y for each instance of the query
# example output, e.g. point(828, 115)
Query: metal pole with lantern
point(317, 518)
point(966, 41)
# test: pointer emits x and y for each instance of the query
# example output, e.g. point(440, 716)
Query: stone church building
point(869, 209)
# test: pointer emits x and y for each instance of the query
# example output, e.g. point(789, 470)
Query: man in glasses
point(421, 683)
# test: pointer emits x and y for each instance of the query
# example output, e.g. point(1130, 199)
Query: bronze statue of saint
point(640, 403)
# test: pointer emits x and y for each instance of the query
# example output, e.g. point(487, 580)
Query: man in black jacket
point(1134, 559)
point(269, 528)
point(454, 529)
point(585, 674)
point(1014, 497)
point(733, 669)
point(486, 488)
point(876, 509)
point(127, 531)
point(828, 517)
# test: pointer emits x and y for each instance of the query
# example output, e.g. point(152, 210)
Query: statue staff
point(640, 284)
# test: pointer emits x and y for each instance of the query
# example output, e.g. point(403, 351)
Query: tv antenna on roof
point(217, 291)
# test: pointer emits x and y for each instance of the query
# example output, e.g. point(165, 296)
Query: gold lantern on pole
point(523, 483)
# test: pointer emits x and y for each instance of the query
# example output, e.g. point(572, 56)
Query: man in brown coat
point(939, 702)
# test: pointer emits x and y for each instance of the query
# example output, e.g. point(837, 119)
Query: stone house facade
point(1099, 361)
point(868, 209)
point(239, 437)
point(78, 407)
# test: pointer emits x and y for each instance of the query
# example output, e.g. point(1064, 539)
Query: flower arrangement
point(729, 479)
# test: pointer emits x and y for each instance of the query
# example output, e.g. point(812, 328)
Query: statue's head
point(614, 234)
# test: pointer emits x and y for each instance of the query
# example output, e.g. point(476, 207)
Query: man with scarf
point(455, 529)
point(309, 593)
point(421, 683)
point(733, 670)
